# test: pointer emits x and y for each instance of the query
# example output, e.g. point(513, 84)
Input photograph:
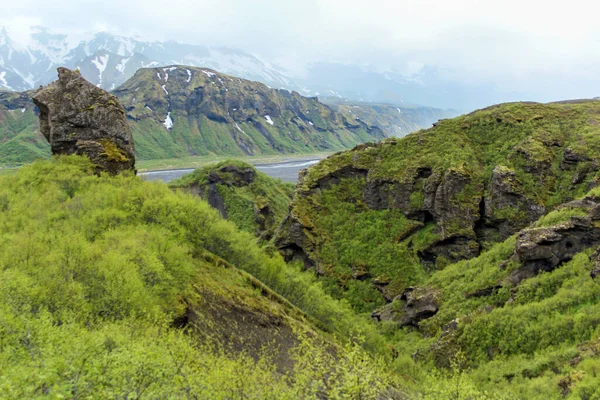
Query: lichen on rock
point(77, 117)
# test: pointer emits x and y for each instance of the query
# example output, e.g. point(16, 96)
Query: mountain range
point(109, 60)
point(27, 61)
point(179, 111)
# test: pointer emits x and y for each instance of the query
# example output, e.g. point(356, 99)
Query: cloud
point(511, 43)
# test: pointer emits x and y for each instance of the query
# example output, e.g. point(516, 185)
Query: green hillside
point(112, 287)
point(20, 139)
point(381, 217)
point(523, 318)
point(460, 262)
point(220, 114)
point(252, 200)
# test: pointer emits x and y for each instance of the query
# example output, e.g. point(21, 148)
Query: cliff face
point(438, 196)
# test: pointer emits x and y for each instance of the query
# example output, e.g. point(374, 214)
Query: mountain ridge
point(178, 111)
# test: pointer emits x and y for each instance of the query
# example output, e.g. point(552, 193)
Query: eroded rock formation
point(77, 117)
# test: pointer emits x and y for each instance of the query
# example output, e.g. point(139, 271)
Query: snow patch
point(399, 110)
point(165, 89)
point(208, 73)
point(159, 78)
point(101, 62)
point(121, 66)
point(167, 70)
point(269, 120)
point(2, 79)
point(149, 108)
point(168, 121)
point(310, 123)
point(151, 64)
point(189, 75)
point(240, 129)
point(23, 110)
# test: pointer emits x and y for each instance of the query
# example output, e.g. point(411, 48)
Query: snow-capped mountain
point(108, 60)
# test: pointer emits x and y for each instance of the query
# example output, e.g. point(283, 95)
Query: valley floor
point(198, 161)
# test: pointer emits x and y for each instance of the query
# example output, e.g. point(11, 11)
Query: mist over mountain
point(108, 60)
point(29, 59)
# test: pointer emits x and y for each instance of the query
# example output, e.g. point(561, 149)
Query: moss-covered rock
point(468, 181)
point(252, 200)
point(77, 117)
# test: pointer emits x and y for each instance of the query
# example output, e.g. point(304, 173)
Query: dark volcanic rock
point(505, 193)
point(233, 175)
point(419, 304)
point(228, 175)
point(571, 159)
point(293, 242)
point(544, 249)
point(595, 258)
point(77, 117)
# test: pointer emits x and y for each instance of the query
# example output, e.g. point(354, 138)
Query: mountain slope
point(108, 60)
point(183, 110)
point(394, 120)
point(521, 319)
point(118, 287)
point(20, 137)
point(379, 218)
point(180, 111)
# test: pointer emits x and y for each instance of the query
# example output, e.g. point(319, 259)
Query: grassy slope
point(525, 137)
point(98, 272)
point(20, 139)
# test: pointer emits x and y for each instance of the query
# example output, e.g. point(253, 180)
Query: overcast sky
point(527, 45)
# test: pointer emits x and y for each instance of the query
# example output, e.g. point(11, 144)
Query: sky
point(545, 49)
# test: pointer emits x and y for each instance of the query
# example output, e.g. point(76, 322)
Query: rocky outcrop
point(250, 199)
point(544, 249)
point(417, 304)
point(227, 175)
point(77, 117)
point(571, 158)
point(461, 186)
point(294, 242)
point(595, 258)
point(232, 175)
point(506, 197)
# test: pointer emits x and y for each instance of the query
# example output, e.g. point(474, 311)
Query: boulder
point(77, 117)
point(419, 304)
point(544, 249)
